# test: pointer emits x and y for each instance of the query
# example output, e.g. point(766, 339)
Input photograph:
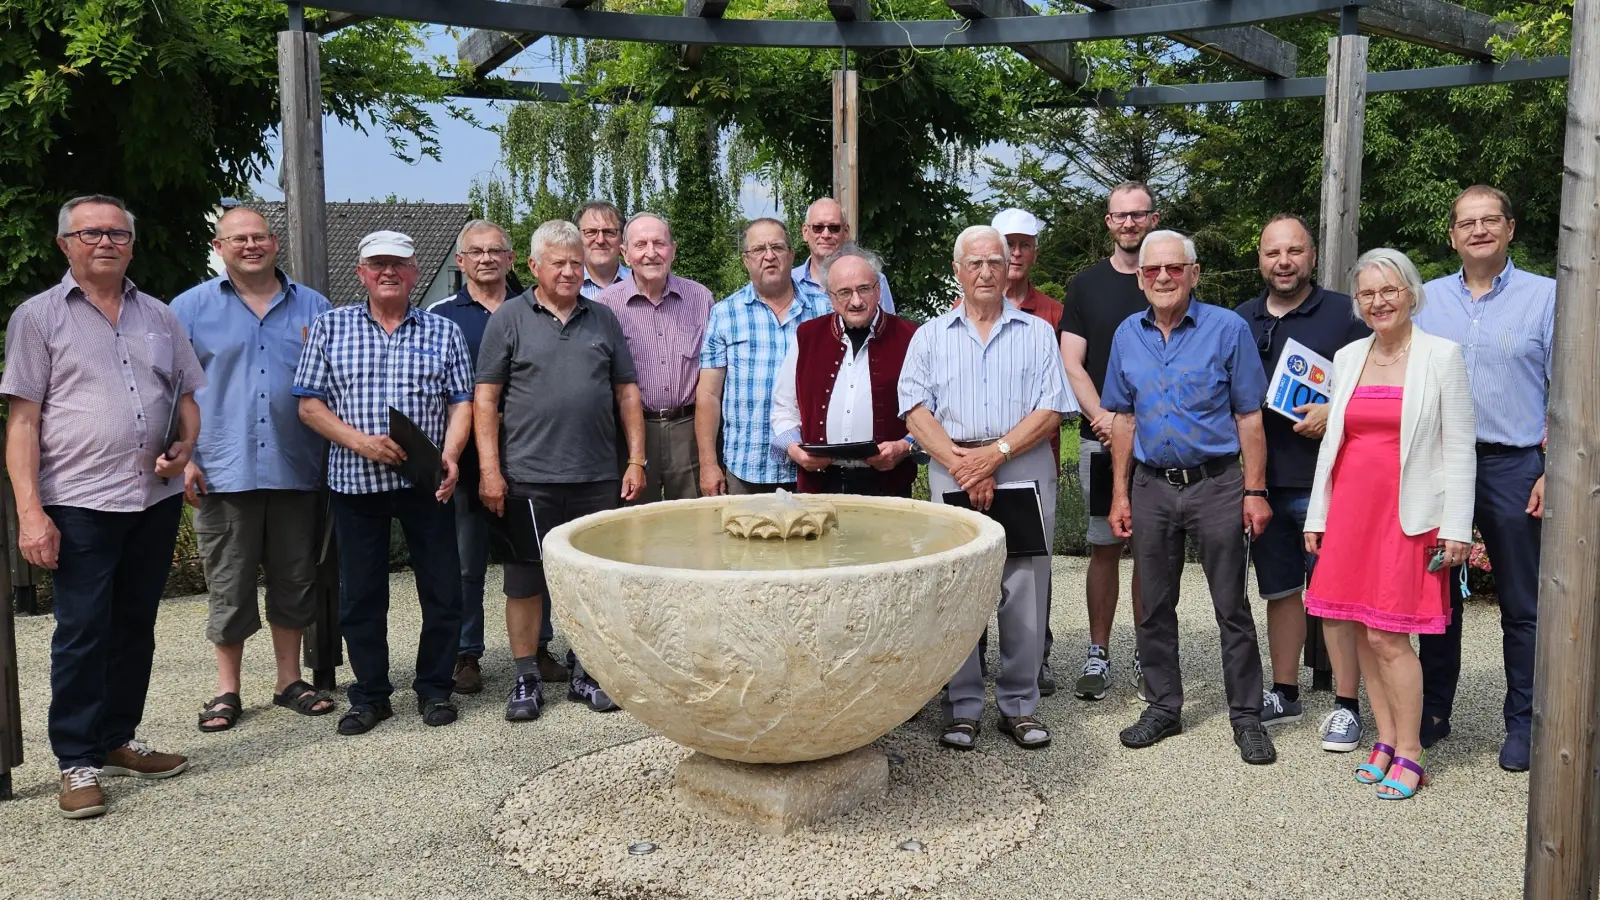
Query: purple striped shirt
point(105, 392)
point(664, 338)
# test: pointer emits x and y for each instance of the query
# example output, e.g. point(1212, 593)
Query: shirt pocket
point(158, 350)
point(426, 370)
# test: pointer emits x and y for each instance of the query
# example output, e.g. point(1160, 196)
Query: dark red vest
point(822, 343)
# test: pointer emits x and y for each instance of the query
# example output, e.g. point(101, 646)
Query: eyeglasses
point(481, 252)
point(590, 234)
point(1136, 215)
point(388, 267)
point(829, 227)
point(1490, 223)
point(92, 236)
point(865, 292)
point(764, 249)
point(1173, 270)
point(978, 265)
point(1389, 293)
point(1264, 339)
point(245, 240)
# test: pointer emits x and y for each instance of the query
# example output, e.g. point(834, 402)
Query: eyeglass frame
point(1167, 267)
point(1468, 226)
point(242, 241)
point(764, 249)
point(1137, 215)
point(975, 266)
point(379, 270)
point(477, 253)
point(100, 234)
point(1383, 292)
point(864, 291)
point(829, 227)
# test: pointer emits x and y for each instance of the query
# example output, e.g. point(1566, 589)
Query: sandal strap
point(297, 689)
point(1383, 748)
point(964, 726)
point(221, 706)
point(1404, 763)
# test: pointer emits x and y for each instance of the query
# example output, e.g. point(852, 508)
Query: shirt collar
point(1008, 312)
point(622, 272)
point(1148, 317)
point(1499, 280)
point(463, 297)
point(630, 288)
point(1306, 307)
point(413, 312)
point(873, 327)
point(129, 290)
point(533, 300)
point(285, 284)
point(802, 273)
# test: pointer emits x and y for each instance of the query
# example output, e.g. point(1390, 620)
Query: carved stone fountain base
point(777, 798)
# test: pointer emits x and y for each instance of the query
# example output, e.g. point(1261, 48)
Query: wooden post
point(845, 94)
point(1563, 850)
point(1344, 120)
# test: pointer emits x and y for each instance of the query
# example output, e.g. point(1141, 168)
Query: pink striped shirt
point(664, 337)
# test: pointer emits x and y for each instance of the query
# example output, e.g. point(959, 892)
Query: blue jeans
point(107, 586)
point(361, 523)
point(472, 540)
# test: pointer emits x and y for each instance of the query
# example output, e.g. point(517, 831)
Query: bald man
point(825, 231)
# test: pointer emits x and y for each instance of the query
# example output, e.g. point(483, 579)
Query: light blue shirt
point(251, 436)
point(802, 275)
point(1507, 338)
point(979, 391)
point(591, 288)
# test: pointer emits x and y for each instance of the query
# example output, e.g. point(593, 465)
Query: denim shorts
point(1283, 567)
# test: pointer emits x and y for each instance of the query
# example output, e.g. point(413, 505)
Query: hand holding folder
point(1017, 507)
point(423, 465)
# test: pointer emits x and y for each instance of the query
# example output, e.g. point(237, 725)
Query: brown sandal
point(1020, 726)
point(967, 727)
point(223, 706)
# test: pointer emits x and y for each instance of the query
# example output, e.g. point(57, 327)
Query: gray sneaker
point(1275, 710)
point(1047, 680)
point(1341, 730)
point(1096, 678)
point(526, 700)
point(1138, 678)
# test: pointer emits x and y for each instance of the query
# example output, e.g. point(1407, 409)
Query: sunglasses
point(1264, 339)
point(1173, 270)
point(829, 227)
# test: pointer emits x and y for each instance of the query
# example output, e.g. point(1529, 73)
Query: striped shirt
point(1508, 338)
point(664, 337)
point(979, 391)
point(746, 339)
point(359, 370)
point(105, 393)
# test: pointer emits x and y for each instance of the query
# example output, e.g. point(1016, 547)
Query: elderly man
point(359, 362)
point(1099, 299)
point(982, 390)
point(825, 231)
point(853, 357)
point(93, 370)
point(600, 223)
point(664, 318)
point(1294, 307)
point(554, 366)
point(483, 252)
point(1187, 386)
point(1504, 319)
point(746, 338)
point(255, 472)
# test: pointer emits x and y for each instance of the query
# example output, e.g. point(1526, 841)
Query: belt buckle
point(1177, 477)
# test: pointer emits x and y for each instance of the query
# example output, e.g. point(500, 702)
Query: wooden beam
point(1431, 23)
point(689, 55)
point(846, 95)
point(1563, 847)
point(305, 201)
point(850, 10)
point(1253, 48)
point(336, 20)
point(485, 51)
point(1059, 61)
point(1344, 120)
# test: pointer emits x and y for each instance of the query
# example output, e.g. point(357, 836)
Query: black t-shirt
point(1324, 322)
point(1098, 300)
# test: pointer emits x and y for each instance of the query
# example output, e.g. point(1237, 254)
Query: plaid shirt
point(359, 370)
point(744, 337)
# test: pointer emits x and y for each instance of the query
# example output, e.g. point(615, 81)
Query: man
point(1294, 307)
point(982, 390)
point(825, 231)
point(853, 357)
point(600, 223)
point(746, 338)
point(1185, 381)
point(1099, 299)
point(553, 366)
point(93, 370)
point(483, 253)
point(664, 319)
point(1504, 320)
point(254, 475)
point(359, 362)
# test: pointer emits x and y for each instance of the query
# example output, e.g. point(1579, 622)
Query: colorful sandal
point(1370, 772)
point(1402, 790)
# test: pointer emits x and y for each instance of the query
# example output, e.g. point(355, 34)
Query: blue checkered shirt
point(744, 337)
point(359, 370)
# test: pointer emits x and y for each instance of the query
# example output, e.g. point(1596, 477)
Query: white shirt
point(850, 410)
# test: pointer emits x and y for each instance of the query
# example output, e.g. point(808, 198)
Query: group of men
point(614, 381)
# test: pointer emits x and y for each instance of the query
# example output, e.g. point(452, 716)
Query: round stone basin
point(769, 651)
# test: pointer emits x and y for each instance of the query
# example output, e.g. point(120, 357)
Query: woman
point(1394, 478)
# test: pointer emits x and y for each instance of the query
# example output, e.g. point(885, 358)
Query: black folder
point(855, 450)
point(522, 530)
point(1017, 508)
point(172, 416)
point(424, 464)
point(1100, 476)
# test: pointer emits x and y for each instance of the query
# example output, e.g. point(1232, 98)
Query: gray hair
point(1189, 255)
point(645, 215)
point(848, 249)
point(744, 236)
point(554, 233)
point(481, 225)
point(64, 218)
point(1396, 263)
point(979, 231)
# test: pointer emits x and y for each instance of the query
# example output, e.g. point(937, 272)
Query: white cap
point(1015, 221)
point(387, 243)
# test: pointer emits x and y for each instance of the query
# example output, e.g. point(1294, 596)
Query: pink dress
point(1369, 570)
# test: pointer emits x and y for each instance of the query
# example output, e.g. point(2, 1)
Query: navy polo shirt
point(470, 316)
point(1325, 322)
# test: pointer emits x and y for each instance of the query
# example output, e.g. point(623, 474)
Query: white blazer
point(1438, 454)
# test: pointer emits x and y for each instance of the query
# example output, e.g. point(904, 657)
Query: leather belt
point(1487, 449)
point(973, 445)
point(667, 415)
point(1211, 468)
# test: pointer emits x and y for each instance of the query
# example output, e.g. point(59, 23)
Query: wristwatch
point(1261, 494)
point(639, 461)
point(1004, 448)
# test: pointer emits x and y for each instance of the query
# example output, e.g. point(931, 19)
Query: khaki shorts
point(1099, 531)
point(241, 534)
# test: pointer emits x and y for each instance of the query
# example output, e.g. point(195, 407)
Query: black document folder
point(856, 450)
point(1016, 507)
point(424, 464)
point(172, 417)
point(1100, 476)
point(522, 530)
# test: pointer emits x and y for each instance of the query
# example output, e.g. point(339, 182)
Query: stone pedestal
point(777, 798)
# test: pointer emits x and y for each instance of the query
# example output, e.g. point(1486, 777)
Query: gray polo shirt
point(559, 424)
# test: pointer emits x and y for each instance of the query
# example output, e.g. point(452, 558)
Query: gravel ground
point(281, 806)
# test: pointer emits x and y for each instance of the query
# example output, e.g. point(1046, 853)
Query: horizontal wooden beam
point(1253, 48)
point(1059, 61)
point(1431, 23)
point(485, 51)
point(689, 55)
point(334, 21)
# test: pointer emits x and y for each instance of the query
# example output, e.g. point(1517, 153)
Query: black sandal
point(967, 727)
point(1021, 725)
point(223, 706)
point(303, 699)
point(363, 717)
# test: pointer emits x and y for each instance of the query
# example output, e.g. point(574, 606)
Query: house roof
point(433, 228)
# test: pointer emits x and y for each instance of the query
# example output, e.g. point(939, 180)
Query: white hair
point(979, 231)
point(645, 215)
point(64, 218)
point(849, 249)
point(1395, 262)
point(554, 233)
point(480, 225)
point(1156, 236)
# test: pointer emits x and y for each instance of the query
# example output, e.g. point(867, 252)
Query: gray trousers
point(674, 470)
point(1022, 600)
point(1212, 512)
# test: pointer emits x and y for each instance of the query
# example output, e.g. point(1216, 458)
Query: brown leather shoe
point(550, 668)
point(81, 794)
point(469, 676)
point(137, 759)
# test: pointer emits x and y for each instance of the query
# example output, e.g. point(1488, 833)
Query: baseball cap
point(1015, 221)
point(386, 243)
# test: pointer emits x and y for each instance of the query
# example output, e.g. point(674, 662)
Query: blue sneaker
point(1276, 710)
point(1341, 731)
point(526, 700)
point(1515, 753)
point(585, 689)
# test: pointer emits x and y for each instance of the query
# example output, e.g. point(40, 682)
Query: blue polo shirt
point(1184, 392)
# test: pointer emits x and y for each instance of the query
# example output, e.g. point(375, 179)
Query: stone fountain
point(775, 636)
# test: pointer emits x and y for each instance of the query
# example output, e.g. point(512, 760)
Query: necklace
point(1403, 351)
